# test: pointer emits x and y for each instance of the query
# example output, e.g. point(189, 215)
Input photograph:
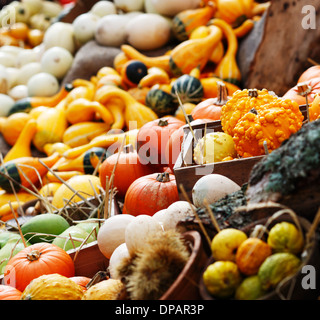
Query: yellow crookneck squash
point(269, 124)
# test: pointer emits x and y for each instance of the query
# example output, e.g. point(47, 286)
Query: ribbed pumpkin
point(150, 194)
point(129, 168)
point(241, 102)
point(272, 124)
point(9, 293)
point(314, 108)
point(36, 260)
point(310, 73)
point(153, 137)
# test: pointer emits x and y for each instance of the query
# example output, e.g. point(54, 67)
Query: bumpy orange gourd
point(271, 123)
point(240, 103)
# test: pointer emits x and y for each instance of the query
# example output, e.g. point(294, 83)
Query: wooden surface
point(277, 52)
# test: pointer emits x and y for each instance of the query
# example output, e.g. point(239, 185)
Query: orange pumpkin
point(82, 281)
point(129, 168)
point(150, 194)
point(153, 137)
point(36, 260)
point(314, 108)
point(9, 293)
point(310, 73)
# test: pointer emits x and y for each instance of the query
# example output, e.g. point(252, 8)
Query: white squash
point(137, 231)
point(212, 187)
point(6, 104)
point(57, 61)
point(7, 59)
point(176, 212)
point(27, 71)
point(118, 254)
point(112, 233)
point(3, 80)
point(18, 92)
point(171, 8)
point(13, 76)
point(51, 8)
point(103, 8)
point(155, 36)
point(26, 56)
point(84, 27)
point(13, 50)
point(149, 7)
point(160, 216)
point(42, 84)
point(60, 34)
point(35, 6)
point(129, 5)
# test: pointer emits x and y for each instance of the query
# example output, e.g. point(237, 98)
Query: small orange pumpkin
point(9, 293)
point(310, 73)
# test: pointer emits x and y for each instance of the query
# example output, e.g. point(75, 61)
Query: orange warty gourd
point(151, 193)
point(36, 260)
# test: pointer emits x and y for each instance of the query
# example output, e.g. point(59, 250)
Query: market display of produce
point(135, 165)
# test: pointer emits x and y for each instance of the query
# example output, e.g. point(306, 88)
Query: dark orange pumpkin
point(82, 281)
point(129, 168)
point(310, 73)
point(294, 95)
point(9, 293)
point(151, 193)
point(153, 137)
point(36, 260)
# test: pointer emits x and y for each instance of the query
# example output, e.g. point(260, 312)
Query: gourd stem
point(128, 148)
point(222, 97)
point(33, 255)
point(163, 123)
point(163, 177)
point(253, 93)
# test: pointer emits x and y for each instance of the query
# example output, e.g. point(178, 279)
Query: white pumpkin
point(155, 36)
point(137, 231)
point(212, 187)
point(7, 59)
point(175, 213)
point(60, 34)
point(129, 5)
point(112, 233)
point(6, 104)
point(103, 8)
point(13, 76)
point(42, 84)
point(27, 71)
point(159, 216)
point(171, 8)
point(118, 254)
point(84, 26)
point(18, 92)
point(57, 61)
point(26, 56)
point(3, 80)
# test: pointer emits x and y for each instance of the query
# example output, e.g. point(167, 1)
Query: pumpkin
point(272, 124)
point(239, 104)
point(187, 88)
point(129, 168)
point(9, 293)
point(310, 73)
point(153, 137)
point(149, 194)
point(211, 108)
point(293, 93)
point(314, 108)
point(82, 281)
point(109, 289)
point(36, 260)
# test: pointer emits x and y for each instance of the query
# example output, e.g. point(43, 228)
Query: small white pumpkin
point(159, 216)
point(3, 80)
point(112, 233)
point(84, 26)
point(18, 92)
point(27, 71)
point(212, 187)
point(171, 8)
point(155, 36)
point(13, 76)
point(118, 254)
point(103, 8)
point(129, 5)
point(6, 104)
point(137, 231)
point(42, 84)
point(175, 213)
point(57, 61)
point(60, 34)
point(7, 59)
point(26, 56)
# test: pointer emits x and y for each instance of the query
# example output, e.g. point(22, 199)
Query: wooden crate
point(187, 172)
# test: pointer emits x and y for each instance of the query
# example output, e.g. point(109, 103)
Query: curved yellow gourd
point(134, 111)
point(51, 148)
point(64, 175)
point(244, 28)
point(155, 76)
point(51, 125)
point(81, 133)
point(81, 110)
point(228, 69)
point(82, 89)
point(22, 147)
point(21, 196)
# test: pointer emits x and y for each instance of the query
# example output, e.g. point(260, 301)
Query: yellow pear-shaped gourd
point(134, 111)
point(228, 69)
point(51, 148)
point(22, 147)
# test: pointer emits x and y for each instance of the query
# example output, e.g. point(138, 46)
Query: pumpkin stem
point(222, 97)
point(253, 93)
point(163, 123)
point(128, 148)
point(163, 177)
point(33, 255)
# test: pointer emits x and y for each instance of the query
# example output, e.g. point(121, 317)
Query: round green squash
point(47, 223)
